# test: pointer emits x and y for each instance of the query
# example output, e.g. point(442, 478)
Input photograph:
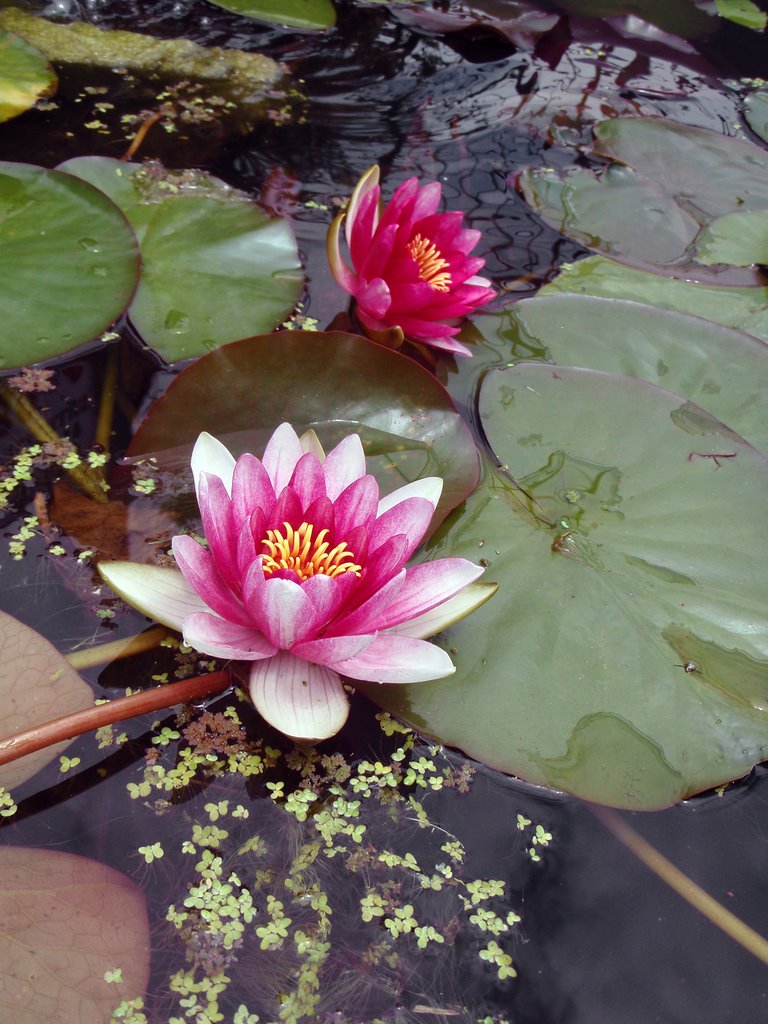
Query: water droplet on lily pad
point(89, 244)
point(176, 321)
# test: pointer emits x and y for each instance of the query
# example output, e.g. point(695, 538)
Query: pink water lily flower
point(304, 577)
point(411, 270)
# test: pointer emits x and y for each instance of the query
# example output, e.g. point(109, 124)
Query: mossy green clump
point(244, 78)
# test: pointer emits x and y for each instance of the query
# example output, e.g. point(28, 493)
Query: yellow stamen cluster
point(430, 263)
point(296, 550)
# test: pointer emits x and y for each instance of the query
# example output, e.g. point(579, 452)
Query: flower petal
point(201, 573)
point(210, 456)
point(251, 489)
point(423, 587)
point(409, 518)
point(216, 514)
point(331, 650)
point(310, 442)
point(344, 277)
point(355, 506)
point(212, 635)
point(445, 615)
point(397, 659)
point(302, 700)
point(282, 453)
point(429, 487)
point(374, 297)
point(160, 593)
point(367, 183)
point(343, 464)
point(283, 612)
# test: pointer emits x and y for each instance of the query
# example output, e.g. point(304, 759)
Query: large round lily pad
point(337, 383)
point(745, 309)
point(724, 371)
point(25, 76)
point(215, 267)
point(625, 655)
point(68, 263)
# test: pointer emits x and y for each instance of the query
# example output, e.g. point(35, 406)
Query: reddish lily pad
point(68, 263)
point(338, 384)
point(66, 923)
point(625, 655)
point(36, 685)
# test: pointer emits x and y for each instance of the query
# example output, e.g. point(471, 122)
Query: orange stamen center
point(430, 263)
point(296, 550)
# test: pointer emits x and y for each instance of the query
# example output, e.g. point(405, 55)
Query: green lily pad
point(25, 76)
point(666, 182)
point(710, 174)
point(68, 263)
point(336, 383)
point(618, 212)
point(215, 267)
point(737, 238)
point(722, 370)
point(744, 309)
point(299, 13)
point(756, 112)
point(625, 656)
point(74, 938)
point(742, 12)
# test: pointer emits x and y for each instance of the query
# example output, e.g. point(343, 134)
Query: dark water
point(601, 941)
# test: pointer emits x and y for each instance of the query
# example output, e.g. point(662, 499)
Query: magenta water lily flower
point(304, 577)
point(411, 269)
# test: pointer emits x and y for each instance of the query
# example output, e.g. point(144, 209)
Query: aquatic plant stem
point(69, 726)
point(685, 887)
point(140, 135)
point(103, 435)
point(102, 653)
point(42, 431)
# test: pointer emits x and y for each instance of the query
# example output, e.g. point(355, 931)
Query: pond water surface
point(600, 938)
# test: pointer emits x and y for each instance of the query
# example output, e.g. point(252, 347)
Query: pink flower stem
point(69, 726)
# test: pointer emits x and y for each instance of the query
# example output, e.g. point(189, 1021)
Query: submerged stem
point(69, 726)
point(103, 435)
point(42, 431)
point(102, 653)
point(684, 886)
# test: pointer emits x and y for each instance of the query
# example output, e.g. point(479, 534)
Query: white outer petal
point(302, 700)
point(430, 487)
point(367, 181)
point(310, 442)
point(210, 456)
point(162, 594)
point(447, 613)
